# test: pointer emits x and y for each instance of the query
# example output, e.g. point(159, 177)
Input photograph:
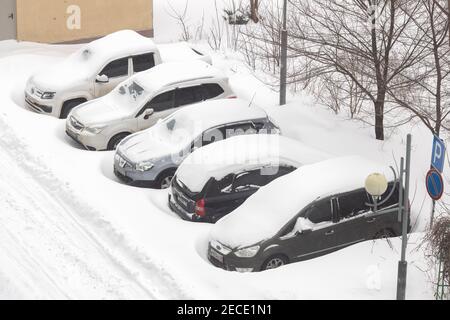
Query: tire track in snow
point(62, 240)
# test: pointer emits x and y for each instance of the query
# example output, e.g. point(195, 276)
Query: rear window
point(212, 90)
point(143, 62)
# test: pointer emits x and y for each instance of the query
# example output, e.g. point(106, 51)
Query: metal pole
point(433, 209)
point(283, 67)
point(401, 190)
point(403, 265)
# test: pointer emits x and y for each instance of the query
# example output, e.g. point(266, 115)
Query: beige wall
point(46, 20)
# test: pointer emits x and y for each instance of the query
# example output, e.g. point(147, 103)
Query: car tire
point(164, 179)
point(274, 262)
point(114, 142)
point(69, 105)
point(384, 234)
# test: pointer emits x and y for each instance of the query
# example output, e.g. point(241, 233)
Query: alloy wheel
point(274, 263)
point(165, 183)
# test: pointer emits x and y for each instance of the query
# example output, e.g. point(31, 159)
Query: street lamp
point(376, 186)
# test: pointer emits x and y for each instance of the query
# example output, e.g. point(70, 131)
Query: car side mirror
point(148, 113)
point(102, 79)
point(306, 231)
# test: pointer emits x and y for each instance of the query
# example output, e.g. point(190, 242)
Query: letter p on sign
point(438, 155)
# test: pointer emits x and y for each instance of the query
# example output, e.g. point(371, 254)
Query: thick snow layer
point(241, 153)
point(89, 59)
point(274, 205)
point(169, 73)
point(180, 51)
point(177, 132)
point(69, 229)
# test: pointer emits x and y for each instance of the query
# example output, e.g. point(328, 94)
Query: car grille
point(76, 124)
point(122, 162)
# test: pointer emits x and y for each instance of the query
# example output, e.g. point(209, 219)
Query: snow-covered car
point(150, 158)
point(317, 209)
point(139, 102)
point(97, 68)
point(216, 179)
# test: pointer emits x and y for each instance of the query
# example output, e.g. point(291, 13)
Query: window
point(212, 135)
point(162, 102)
point(143, 62)
point(320, 212)
point(212, 90)
point(250, 180)
point(117, 68)
point(239, 130)
point(223, 186)
point(185, 96)
point(353, 204)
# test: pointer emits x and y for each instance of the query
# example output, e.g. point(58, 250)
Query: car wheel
point(114, 142)
point(165, 179)
point(275, 262)
point(68, 106)
point(384, 234)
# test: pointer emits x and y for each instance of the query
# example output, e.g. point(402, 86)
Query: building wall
point(56, 21)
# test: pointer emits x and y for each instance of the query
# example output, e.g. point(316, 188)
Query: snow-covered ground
point(69, 229)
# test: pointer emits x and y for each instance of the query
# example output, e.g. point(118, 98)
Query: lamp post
point(376, 186)
point(283, 67)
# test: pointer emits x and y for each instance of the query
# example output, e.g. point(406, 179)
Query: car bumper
point(47, 107)
point(230, 262)
point(126, 173)
point(88, 141)
point(183, 214)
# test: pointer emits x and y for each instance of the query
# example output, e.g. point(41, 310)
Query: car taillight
point(200, 208)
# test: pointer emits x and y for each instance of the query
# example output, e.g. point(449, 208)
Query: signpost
point(434, 181)
point(435, 185)
point(438, 154)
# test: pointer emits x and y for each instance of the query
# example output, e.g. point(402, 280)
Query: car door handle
point(372, 220)
point(329, 233)
point(11, 16)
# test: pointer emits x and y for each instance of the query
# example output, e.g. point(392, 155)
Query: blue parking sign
point(438, 154)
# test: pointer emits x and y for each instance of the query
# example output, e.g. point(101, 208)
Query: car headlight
point(144, 166)
point(48, 95)
point(247, 252)
point(95, 130)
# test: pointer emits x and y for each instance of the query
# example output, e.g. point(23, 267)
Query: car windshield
point(129, 96)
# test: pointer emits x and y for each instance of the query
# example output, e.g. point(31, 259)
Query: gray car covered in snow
point(151, 158)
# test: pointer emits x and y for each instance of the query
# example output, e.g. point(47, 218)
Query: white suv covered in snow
point(96, 69)
point(139, 102)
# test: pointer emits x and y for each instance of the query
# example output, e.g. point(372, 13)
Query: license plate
point(216, 255)
point(183, 202)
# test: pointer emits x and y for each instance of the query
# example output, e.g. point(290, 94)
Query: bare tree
point(180, 17)
point(427, 97)
point(371, 42)
point(254, 10)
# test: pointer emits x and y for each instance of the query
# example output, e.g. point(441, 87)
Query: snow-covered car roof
point(176, 72)
point(264, 214)
point(181, 51)
point(119, 44)
point(241, 153)
point(185, 125)
point(88, 60)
